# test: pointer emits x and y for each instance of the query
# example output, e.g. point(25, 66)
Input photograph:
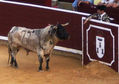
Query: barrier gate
point(100, 42)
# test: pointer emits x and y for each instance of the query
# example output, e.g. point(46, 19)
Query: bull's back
point(20, 36)
point(14, 33)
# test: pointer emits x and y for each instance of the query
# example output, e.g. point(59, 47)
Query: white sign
point(100, 46)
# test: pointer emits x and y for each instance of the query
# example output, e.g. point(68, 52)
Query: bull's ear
point(65, 24)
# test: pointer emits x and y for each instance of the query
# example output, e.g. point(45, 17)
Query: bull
point(40, 41)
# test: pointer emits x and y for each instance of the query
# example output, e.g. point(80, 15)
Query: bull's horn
point(65, 24)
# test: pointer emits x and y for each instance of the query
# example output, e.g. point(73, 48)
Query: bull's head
point(61, 32)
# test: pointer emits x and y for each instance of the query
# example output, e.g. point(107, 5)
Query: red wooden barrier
point(101, 42)
point(38, 2)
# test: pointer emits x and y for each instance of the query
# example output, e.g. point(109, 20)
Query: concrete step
point(62, 5)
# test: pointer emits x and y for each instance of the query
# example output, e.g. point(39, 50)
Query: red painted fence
point(38, 2)
point(101, 42)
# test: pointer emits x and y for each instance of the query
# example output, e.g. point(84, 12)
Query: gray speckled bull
point(41, 41)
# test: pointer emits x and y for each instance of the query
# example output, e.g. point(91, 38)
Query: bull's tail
point(9, 52)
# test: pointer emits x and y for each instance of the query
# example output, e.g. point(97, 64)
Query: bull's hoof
point(40, 70)
point(47, 68)
point(14, 66)
point(11, 65)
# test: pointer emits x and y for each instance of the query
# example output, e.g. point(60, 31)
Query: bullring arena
point(65, 67)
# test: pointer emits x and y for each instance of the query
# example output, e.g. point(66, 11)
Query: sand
point(63, 70)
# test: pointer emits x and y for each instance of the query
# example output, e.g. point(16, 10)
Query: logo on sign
point(100, 46)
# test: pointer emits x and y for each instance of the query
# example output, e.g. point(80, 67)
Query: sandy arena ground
point(63, 70)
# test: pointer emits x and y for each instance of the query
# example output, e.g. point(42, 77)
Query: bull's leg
point(47, 63)
point(40, 61)
point(13, 61)
point(40, 57)
point(13, 58)
point(47, 57)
